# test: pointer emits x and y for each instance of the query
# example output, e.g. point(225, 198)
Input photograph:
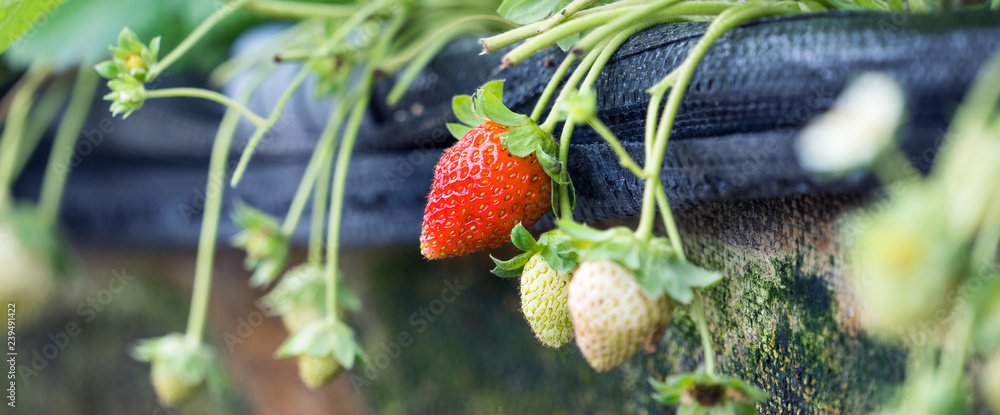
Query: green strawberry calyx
point(553, 246)
point(173, 355)
point(658, 268)
point(324, 338)
point(266, 244)
point(305, 286)
point(523, 138)
point(725, 395)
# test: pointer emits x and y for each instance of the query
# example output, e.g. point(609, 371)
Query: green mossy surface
point(782, 319)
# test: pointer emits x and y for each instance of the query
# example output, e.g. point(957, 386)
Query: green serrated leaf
point(18, 16)
point(561, 262)
point(462, 106)
point(529, 11)
point(523, 239)
point(494, 88)
point(518, 141)
point(496, 111)
point(567, 42)
point(458, 130)
point(578, 233)
point(511, 267)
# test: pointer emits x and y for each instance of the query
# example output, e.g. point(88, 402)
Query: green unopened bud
point(127, 95)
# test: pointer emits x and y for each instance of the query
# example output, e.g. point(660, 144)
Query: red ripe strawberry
point(480, 192)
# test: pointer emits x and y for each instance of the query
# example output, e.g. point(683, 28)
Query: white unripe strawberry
point(989, 382)
point(27, 278)
point(544, 301)
point(612, 318)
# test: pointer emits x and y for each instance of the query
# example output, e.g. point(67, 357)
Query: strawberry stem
point(64, 145)
point(209, 95)
point(193, 38)
point(299, 10)
point(344, 159)
point(550, 88)
point(272, 119)
point(210, 221)
point(707, 349)
point(321, 198)
point(13, 132)
point(565, 205)
point(564, 14)
point(324, 150)
point(729, 19)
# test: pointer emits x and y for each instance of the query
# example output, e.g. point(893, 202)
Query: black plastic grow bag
point(142, 180)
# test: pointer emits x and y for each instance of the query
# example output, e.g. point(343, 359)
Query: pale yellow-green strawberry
point(27, 278)
point(544, 301)
point(612, 318)
point(169, 387)
point(989, 382)
point(317, 371)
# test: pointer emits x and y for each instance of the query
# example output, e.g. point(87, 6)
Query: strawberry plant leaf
point(511, 267)
point(562, 262)
point(18, 16)
point(494, 109)
point(519, 141)
point(567, 42)
point(458, 130)
point(522, 239)
point(529, 11)
point(462, 106)
point(495, 88)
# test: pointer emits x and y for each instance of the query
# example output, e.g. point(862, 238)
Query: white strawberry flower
point(859, 126)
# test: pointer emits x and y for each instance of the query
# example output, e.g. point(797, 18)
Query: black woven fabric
point(733, 138)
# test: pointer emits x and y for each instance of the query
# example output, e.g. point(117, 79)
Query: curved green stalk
point(727, 20)
point(43, 113)
point(299, 10)
point(581, 70)
point(258, 135)
point(707, 348)
point(209, 95)
point(65, 143)
point(324, 148)
point(513, 36)
point(344, 159)
point(565, 205)
point(564, 14)
point(550, 88)
point(194, 37)
point(13, 131)
point(321, 198)
point(549, 38)
point(623, 158)
point(210, 221)
point(428, 51)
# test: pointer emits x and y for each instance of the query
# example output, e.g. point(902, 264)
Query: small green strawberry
point(496, 176)
point(180, 368)
point(545, 268)
point(544, 301)
point(170, 388)
point(318, 371)
point(989, 382)
point(611, 316)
